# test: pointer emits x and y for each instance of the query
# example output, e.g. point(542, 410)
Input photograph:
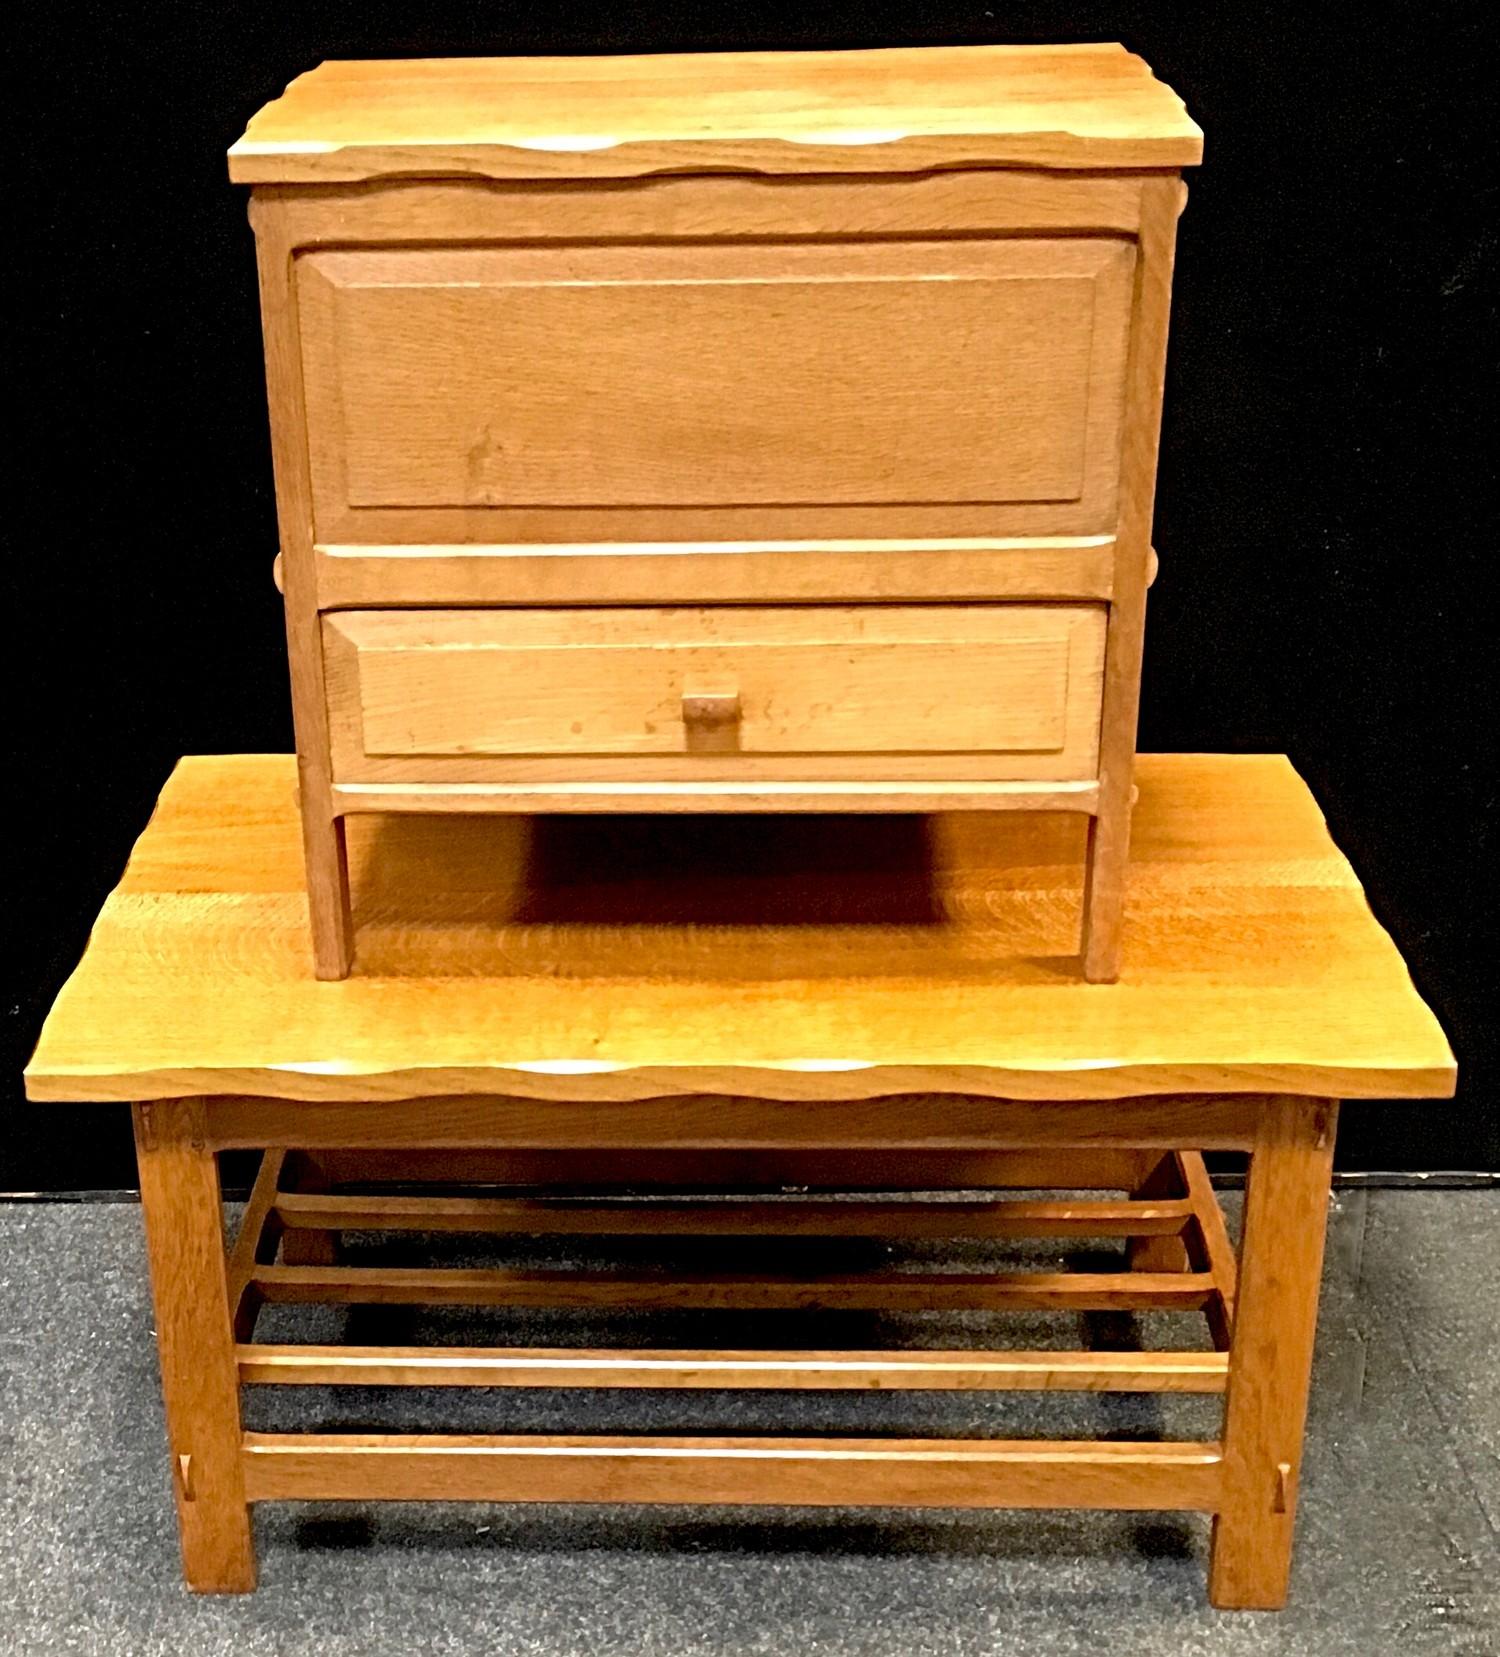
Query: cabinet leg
point(200, 1381)
point(1104, 892)
point(1270, 1358)
point(328, 893)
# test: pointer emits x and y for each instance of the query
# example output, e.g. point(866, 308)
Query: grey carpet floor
point(1397, 1540)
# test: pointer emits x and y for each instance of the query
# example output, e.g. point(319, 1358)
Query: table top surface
point(816, 957)
point(898, 109)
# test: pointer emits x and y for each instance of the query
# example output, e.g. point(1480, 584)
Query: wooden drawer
point(699, 389)
point(830, 692)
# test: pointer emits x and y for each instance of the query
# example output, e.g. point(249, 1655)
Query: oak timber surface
point(786, 957)
point(858, 111)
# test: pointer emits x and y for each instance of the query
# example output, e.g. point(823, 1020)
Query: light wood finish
point(820, 1291)
point(578, 962)
point(823, 1472)
point(1158, 1253)
point(325, 849)
point(914, 1371)
point(1008, 692)
point(710, 206)
point(301, 1247)
point(868, 217)
point(184, 1241)
point(800, 112)
point(728, 1169)
point(844, 374)
point(976, 568)
point(679, 1012)
point(690, 797)
point(529, 345)
point(1202, 1244)
point(743, 1109)
point(260, 1231)
point(1109, 833)
point(776, 1217)
point(1209, 1248)
point(1270, 1361)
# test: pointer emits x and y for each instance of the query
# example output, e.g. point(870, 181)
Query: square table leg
point(301, 1247)
point(185, 1241)
point(1165, 1252)
point(1270, 1358)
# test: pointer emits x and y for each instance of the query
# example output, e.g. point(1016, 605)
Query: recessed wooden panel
point(462, 382)
point(714, 686)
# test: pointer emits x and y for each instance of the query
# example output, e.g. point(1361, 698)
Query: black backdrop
point(1326, 498)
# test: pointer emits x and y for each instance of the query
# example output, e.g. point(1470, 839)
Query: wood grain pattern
point(1109, 832)
point(807, 1291)
point(729, 1169)
point(259, 1232)
point(300, 1246)
point(935, 787)
point(905, 350)
point(325, 852)
point(706, 206)
point(863, 217)
point(774, 1217)
point(184, 1240)
point(843, 374)
point(744, 1109)
point(977, 568)
point(1209, 1248)
point(1160, 1253)
point(907, 109)
point(907, 1371)
point(572, 959)
point(1270, 1360)
point(1010, 692)
point(777, 1471)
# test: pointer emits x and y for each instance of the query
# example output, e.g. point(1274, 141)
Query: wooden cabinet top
point(805, 958)
point(894, 110)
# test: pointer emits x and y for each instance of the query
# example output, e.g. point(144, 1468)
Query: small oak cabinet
point(733, 432)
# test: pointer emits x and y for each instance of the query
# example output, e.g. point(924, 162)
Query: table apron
point(1228, 1121)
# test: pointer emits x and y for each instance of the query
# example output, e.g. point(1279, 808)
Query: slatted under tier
point(1180, 1259)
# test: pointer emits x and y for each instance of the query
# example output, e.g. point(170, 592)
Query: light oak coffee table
point(891, 1005)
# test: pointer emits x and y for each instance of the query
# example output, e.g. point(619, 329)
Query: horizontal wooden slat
point(780, 1471)
point(704, 206)
point(411, 1366)
point(774, 1217)
point(858, 1169)
point(914, 1291)
point(455, 798)
point(976, 569)
point(858, 1106)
